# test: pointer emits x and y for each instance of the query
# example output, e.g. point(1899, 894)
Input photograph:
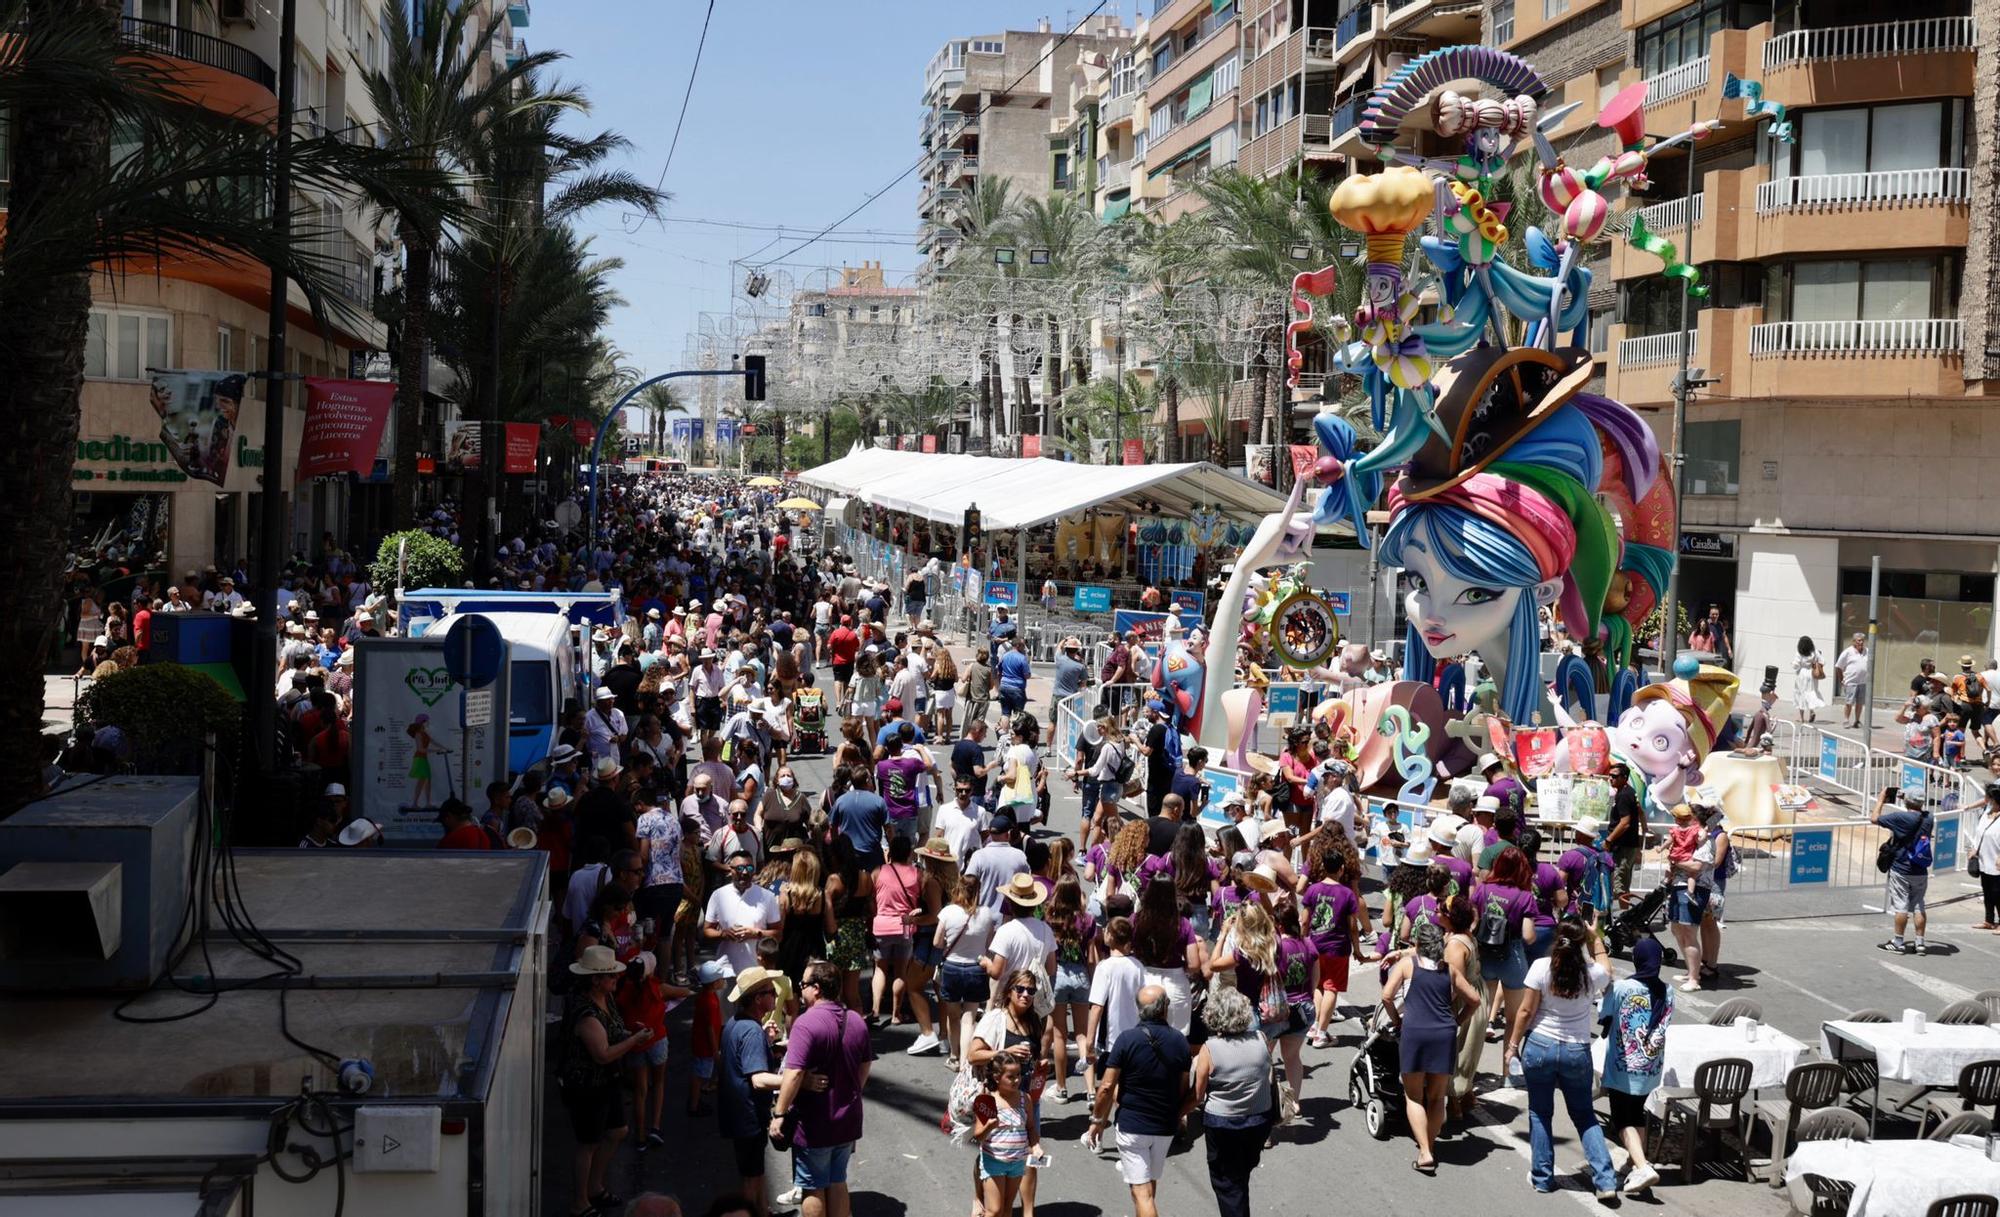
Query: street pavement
point(1803, 972)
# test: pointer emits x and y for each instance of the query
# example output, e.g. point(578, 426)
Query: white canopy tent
point(1024, 493)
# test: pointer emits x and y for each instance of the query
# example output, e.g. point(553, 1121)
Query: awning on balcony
point(1200, 93)
point(1347, 82)
point(1216, 6)
point(1200, 149)
point(1115, 208)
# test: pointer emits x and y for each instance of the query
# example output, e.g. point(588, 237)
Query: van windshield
point(528, 693)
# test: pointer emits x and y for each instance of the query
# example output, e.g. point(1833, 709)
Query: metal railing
point(1928, 36)
point(1116, 109)
point(1671, 216)
point(1321, 42)
point(1355, 24)
point(1346, 116)
point(1654, 349)
point(1913, 337)
point(1318, 130)
point(1939, 185)
point(1118, 176)
point(197, 47)
point(1677, 82)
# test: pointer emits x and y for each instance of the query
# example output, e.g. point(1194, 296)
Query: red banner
point(584, 430)
point(1135, 452)
point(1031, 445)
point(523, 439)
point(343, 427)
point(930, 443)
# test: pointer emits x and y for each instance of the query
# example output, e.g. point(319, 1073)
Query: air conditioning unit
point(237, 12)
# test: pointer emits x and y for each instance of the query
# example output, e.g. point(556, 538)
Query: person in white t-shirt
point(1990, 715)
point(739, 914)
point(964, 929)
point(1550, 1037)
point(1024, 942)
point(1114, 988)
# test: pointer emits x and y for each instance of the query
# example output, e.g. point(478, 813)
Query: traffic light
point(972, 528)
point(753, 378)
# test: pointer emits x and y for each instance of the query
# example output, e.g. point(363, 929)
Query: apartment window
point(1159, 122)
point(1876, 289)
point(1682, 36)
point(1878, 139)
point(1227, 74)
point(1124, 75)
point(1714, 452)
point(1139, 141)
point(123, 343)
point(1060, 170)
point(1600, 331)
point(1607, 83)
point(1163, 56)
point(1552, 9)
point(1503, 22)
point(988, 46)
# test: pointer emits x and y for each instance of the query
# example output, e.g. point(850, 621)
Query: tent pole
point(1020, 562)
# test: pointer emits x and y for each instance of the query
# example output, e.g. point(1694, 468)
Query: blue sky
point(802, 108)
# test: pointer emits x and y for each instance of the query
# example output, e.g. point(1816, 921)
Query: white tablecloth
point(1932, 1058)
point(1772, 1056)
point(1891, 1178)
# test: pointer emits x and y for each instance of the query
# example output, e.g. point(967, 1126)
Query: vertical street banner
point(1031, 446)
point(462, 447)
point(198, 418)
point(930, 443)
point(523, 441)
point(344, 424)
point(726, 431)
point(1135, 452)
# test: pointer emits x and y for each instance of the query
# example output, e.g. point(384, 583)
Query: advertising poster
point(1191, 606)
point(344, 424)
point(1304, 457)
point(1091, 599)
point(930, 443)
point(1135, 452)
point(1003, 592)
point(584, 431)
point(1220, 783)
point(198, 419)
point(523, 441)
point(462, 446)
point(1151, 626)
point(1031, 445)
point(407, 703)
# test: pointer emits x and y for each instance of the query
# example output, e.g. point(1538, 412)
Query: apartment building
point(211, 313)
point(1191, 52)
point(986, 115)
point(1845, 359)
point(843, 335)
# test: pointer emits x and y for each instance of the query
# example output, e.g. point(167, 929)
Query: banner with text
point(344, 424)
point(198, 419)
point(1135, 452)
point(523, 441)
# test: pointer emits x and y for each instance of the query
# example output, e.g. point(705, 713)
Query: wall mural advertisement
point(198, 419)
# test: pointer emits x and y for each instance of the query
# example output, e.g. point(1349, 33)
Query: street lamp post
point(1685, 382)
point(604, 428)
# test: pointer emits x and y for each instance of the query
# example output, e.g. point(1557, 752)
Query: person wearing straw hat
point(593, 1040)
point(747, 1080)
point(1024, 942)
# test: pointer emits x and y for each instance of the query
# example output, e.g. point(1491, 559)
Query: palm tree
point(1071, 236)
point(1257, 223)
point(1171, 265)
point(1106, 409)
point(433, 110)
point(661, 404)
point(983, 222)
point(191, 190)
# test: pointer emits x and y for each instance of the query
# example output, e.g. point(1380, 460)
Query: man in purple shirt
point(826, 1065)
point(1500, 785)
point(1575, 867)
point(897, 776)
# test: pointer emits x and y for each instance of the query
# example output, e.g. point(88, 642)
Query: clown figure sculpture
point(1671, 727)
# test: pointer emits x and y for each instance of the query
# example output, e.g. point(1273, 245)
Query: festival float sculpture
point(1513, 495)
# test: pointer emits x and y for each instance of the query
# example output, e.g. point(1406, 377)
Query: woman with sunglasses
point(1013, 1029)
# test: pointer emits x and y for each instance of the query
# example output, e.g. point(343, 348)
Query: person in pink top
point(899, 901)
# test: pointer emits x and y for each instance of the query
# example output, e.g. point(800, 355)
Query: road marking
point(1823, 1000)
point(1522, 1150)
point(1932, 985)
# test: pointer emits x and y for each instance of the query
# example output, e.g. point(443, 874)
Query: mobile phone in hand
point(1039, 1162)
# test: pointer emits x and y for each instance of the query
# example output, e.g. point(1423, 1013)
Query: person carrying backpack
point(1906, 856)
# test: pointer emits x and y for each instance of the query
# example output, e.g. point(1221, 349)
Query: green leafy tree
point(431, 561)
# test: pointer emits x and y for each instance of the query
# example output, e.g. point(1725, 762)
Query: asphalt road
point(1802, 971)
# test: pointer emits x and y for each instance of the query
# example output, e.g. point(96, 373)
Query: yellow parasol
point(765, 481)
point(800, 504)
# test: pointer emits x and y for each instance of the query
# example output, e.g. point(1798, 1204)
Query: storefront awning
point(1026, 493)
point(223, 675)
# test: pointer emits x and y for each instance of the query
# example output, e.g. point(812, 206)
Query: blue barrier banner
point(1124, 621)
point(1342, 603)
point(1190, 605)
point(1003, 591)
point(1829, 757)
point(1944, 844)
point(1092, 599)
point(1812, 855)
point(1221, 783)
point(1913, 778)
point(1282, 699)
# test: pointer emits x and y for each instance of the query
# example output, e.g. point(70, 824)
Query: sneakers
point(654, 1139)
point(791, 1199)
point(1895, 946)
point(924, 1045)
point(1288, 1104)
point(1314, 1039)
point(1922, 948)
point(1641, 1179)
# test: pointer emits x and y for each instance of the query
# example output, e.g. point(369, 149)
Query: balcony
point(1116, 110)
point(1895, 187)
point(1691, 77)
point(1190, 64)
point(1272, 151)
point(517, 14)
point(964, 167)
point(1672, 217)
point(1354, 25)
point(516, 53)
point(1117, 177)
point(204, 49)
point(1930, 36)
point(1322, 43)
point(1930, 336)
point(1655, 349)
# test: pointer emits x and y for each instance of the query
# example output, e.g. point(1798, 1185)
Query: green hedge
point(165, 709)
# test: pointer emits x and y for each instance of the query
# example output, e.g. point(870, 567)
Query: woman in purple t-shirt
point(1503, 925)
point(1336, 923)
point(1551, 888)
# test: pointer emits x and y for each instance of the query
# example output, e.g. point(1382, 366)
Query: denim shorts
point(654, 1053)
point(1072, 984)
point(816, 1170)
point(991, 1167)
point(925, 951)
point(1091, 793)
point(1508, 964)
point(704, 1067)
point(963, 982)
point(1685, 909)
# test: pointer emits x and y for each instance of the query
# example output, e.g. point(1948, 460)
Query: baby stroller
point(1375, 1080)
point(1645, 915)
